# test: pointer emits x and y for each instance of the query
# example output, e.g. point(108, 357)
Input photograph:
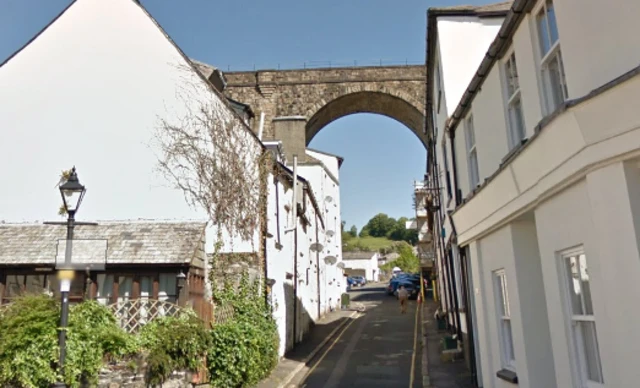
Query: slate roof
point(128, 242)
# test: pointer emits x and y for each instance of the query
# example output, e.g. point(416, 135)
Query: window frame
point(545, 59)
point(438, 78)
point(576, 353)
point(515, 135)
point(471, 149)
point(507, 346)
point(445, 161)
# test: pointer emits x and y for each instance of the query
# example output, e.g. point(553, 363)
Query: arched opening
point(367, 102)
point(382, 159)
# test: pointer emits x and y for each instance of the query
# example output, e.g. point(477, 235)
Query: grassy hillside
point(366, 244)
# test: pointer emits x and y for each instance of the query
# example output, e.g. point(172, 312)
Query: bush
point(245, 350)
point(93, 337)
point(174, 343)
point(29, 342)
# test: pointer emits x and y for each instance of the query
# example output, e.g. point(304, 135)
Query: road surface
point(381, 348)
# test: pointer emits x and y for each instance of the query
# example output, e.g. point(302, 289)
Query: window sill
point(507, 375)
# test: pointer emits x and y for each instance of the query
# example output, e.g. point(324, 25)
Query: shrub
point(174, 343)
point(245, 350)
point(93, 337)
point(29, 342)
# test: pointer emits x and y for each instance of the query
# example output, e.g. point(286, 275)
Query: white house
point(115, 86)
point(114, 78)
point(307, 250)
point(451, 65)
point(545, 145)
point(362, 264)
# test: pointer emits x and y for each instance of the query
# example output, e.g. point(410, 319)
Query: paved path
point(381, 348)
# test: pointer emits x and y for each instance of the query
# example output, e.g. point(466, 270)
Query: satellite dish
point(330, 260)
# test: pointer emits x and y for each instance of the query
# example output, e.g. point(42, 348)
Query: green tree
point(353, 231)
point(407, 261)
point(379, 226)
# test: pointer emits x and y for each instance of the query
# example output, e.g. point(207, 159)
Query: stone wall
point(122, 376)
point(324, 95)
point(231, 266)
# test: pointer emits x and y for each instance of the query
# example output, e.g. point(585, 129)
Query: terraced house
point(534, 150)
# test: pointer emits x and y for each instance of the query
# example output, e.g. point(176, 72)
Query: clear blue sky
point(382, 156)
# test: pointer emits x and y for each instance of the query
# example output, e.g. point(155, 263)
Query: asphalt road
point(380, 348)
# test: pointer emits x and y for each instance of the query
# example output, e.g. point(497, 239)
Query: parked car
point(411, 287)
point(350, 283)
point(359, 281)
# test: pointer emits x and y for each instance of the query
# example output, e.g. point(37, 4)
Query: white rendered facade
point(551, 229)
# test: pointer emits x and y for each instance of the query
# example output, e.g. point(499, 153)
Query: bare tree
point(210, 155)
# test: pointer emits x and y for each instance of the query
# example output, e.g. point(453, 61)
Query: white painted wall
point(598, 44)
point(575, 184)
point(111, 76)
point(456, 61)
point(370, 266)
point(459, 58)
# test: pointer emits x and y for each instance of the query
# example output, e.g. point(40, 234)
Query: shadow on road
point(369, 296)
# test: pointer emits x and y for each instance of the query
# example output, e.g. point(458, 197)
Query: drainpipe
point(318, 267)
point(456, 191)
point(455, 234)
point(464, 262)
point(295, 248)
point(455, 295)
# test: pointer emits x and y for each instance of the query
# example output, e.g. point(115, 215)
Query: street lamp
point(72, 193)
point(181, 280)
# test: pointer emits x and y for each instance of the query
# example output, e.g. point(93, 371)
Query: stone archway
point(366, 102)
point(320, 96)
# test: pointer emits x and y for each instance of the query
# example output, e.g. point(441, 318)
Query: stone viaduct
point(313, 98)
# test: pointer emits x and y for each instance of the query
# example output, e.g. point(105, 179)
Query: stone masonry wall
point(323, 95)
point(126, 377)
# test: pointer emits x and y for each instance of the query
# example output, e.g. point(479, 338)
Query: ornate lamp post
point(72, 193)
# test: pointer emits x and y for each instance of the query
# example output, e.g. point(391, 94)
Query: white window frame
point(574, 332)
point(546, 59)
point(517, 131)
point(503, 319)
point(472, 153)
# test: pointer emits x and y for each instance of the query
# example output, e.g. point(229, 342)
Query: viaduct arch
point(319, 96)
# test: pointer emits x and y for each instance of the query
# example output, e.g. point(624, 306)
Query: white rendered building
point(541, 148)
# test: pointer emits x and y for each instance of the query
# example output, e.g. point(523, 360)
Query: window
point(552, 69)
point(504, 319)
point(446, 168)
point(438, 79)
point(581, 319)
point(514, 102)
point(472, 155)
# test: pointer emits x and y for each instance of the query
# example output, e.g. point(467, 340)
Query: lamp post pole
point(72, 193)
point(65, 286)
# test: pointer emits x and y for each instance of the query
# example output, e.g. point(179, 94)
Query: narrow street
point(381, 348)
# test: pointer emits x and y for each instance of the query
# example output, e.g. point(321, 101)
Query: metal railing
point(327, 64)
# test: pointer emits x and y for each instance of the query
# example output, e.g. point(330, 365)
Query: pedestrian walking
point(403, 296)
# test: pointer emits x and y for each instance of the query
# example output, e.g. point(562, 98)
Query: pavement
point(377, 347)
point(436, 372)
